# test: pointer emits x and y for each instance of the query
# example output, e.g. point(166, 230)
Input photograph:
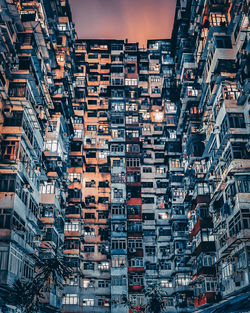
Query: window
point(89, 248)
point(136, 300)
point(62, 27)
point(131, 107)
point(5, 217)
point(235, 224)
point(7, 183)
point(134, 227)
point(102, 215)
point(166, 284)
point(182, 280)
point(148, 200)
point(118, 193)
point(217, 19)
point(118, 260)
point(117, 148)
point(117, 163)
point(175, 163)
point(223, 42)
point(9, 149)
point(4, 258)
point(117, 120)
point(89, 266)
point(117, 133)
point(132, 119)
point(133, 177)
point(102, 301)
point(103, 155)
point(132, 133)
point(118, 244)
point(72, 281)
point(118, 210)
point(91, 127)
point(104, 266)
point(85, 283)
point(90, 169)
point(236, 120)
point(243, 183)
point(147, 169)
point(53, 146)
point(119, 280)
point(91, 154)
point(92, 102)
point(136, 262)
point(147, 184)
point(118, 178)
point(88, 302)
point(150, 250)
point(231, 92)
point(74, 226)
point(47, 187)
point(74, 177)
point(136, 280)
point(78, 120)
point(17, 89)
point(71, 243)
point(134, 148)
point(147, 128)
point(103, 284)
point(130, 82)
point(155, 78)
point(160, 170)
point(15, 119)
point(89, 215)
point(21, 192)
point(88, 231)
point(133, 162)
point(15, 261)
point(70, 299)
point(134, 210)
point(135, 243)
point(117, 81)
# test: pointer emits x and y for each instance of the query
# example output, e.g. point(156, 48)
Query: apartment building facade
point(133, 163)
point(212, 43)
point(36, 73)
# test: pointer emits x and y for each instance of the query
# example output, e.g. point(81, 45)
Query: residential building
point(131, 163)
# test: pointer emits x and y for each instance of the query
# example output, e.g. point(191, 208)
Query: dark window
point(7, 183)
point(236, 120)
point(89, 215)
point(17, 89)
point(5, 216)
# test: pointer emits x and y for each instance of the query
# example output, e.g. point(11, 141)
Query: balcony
point(233, 242)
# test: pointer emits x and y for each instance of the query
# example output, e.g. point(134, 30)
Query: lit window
point(104, 266)
point(62, 27)
point(103, 155)
point(88, 302)
point(70, 299)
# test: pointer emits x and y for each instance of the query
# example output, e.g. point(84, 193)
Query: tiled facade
point(134, 161)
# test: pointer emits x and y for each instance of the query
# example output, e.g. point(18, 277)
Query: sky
point(136, 20)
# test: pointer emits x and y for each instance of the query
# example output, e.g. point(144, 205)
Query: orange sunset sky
point(137, 20)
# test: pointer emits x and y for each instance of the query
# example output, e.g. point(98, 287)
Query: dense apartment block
point(131, 163)
point(211, 40)
point(36, 111)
